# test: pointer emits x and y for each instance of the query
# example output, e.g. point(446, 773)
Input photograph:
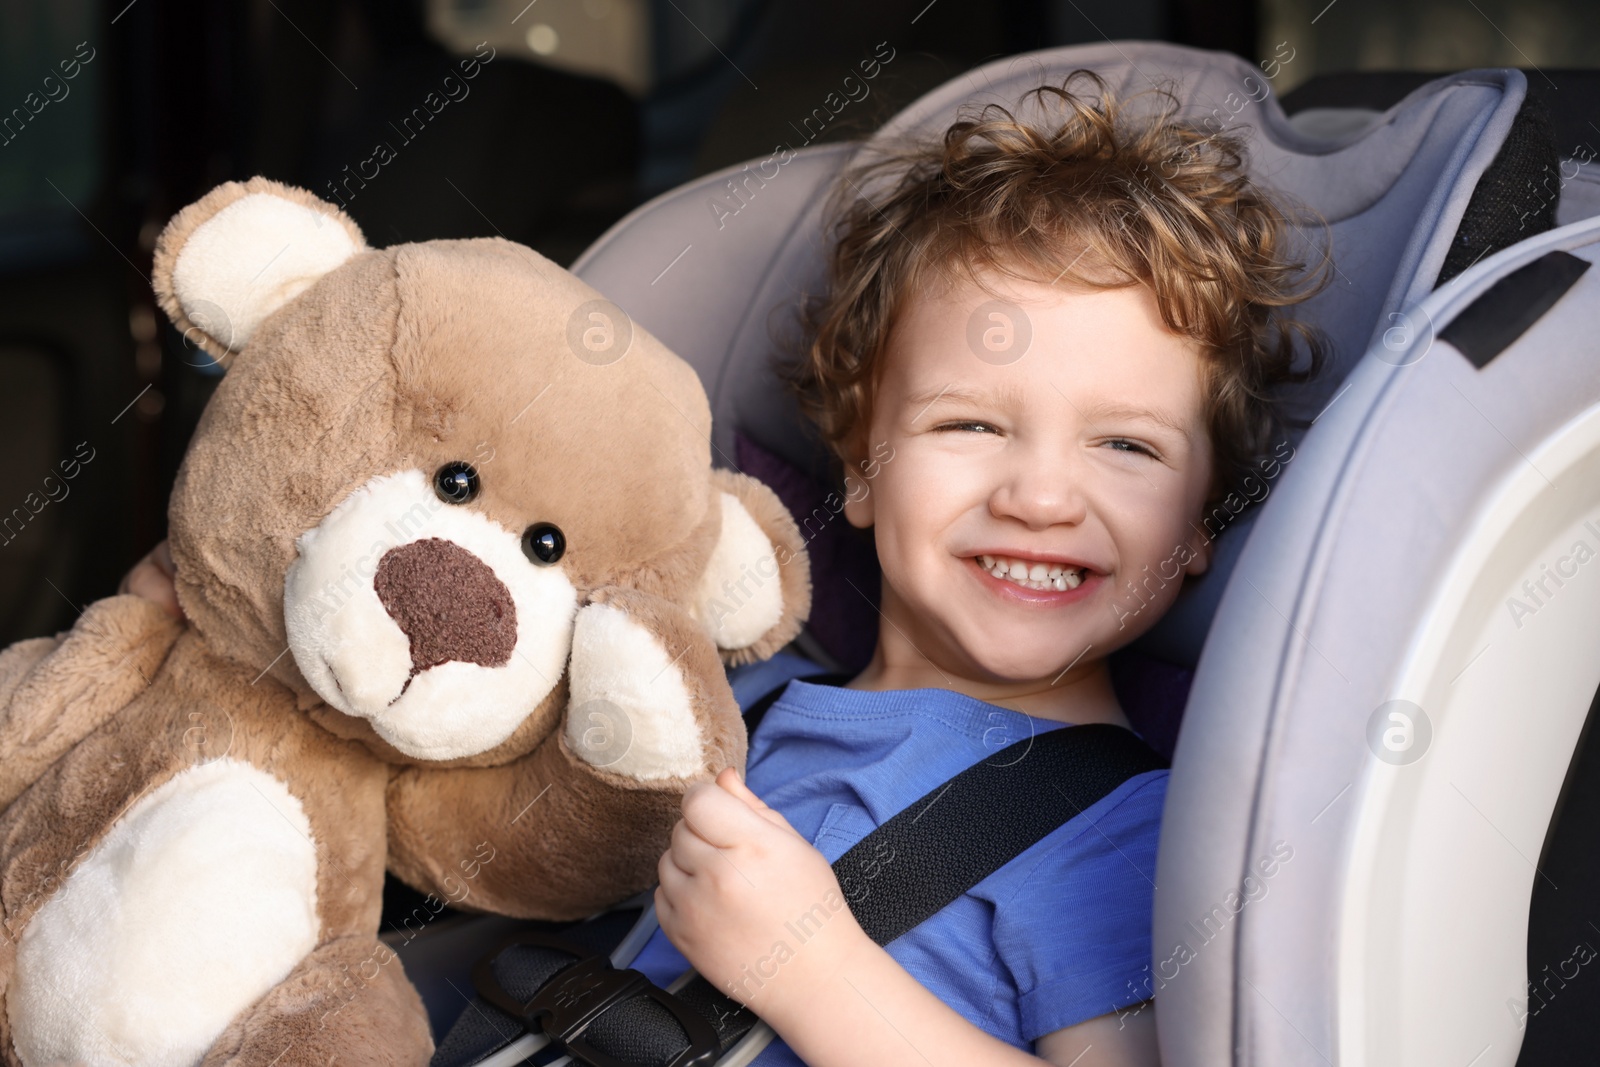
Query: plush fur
point(373, 673)
point(221, 845)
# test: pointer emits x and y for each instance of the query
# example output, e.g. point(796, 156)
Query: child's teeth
point(1033, 575)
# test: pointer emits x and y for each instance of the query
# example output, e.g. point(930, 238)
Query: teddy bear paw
point(630, 709)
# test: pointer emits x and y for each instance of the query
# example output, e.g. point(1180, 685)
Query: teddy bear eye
point(543, 543)
point(456, 482)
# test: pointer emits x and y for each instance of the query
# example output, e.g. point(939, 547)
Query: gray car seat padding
point(715, 268)
point(1579, 190)
point(1391, 567)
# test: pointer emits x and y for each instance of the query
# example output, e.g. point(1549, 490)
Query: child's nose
point(1038, 496)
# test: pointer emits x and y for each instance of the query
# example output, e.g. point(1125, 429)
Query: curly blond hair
point(1100, 201)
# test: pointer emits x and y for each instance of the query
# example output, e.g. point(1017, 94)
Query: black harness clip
point(569, 1002)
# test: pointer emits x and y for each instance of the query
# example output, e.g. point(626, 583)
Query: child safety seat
point(1450, 452)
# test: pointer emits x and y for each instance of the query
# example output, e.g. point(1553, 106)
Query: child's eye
point(1134, 446)
point(977, 427)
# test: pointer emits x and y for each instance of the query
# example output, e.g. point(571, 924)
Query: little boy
point(1050, 347)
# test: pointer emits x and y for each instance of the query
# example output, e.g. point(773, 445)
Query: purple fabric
point(1152, 692)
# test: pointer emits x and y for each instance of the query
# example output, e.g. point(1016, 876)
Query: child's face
point(998, 455)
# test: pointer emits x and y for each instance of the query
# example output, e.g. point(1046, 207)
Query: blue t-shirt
point(1059, 935)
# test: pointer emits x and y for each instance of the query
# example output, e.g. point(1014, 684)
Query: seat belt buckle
point(569, 1002)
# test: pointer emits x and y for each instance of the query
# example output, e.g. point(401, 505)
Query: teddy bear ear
point(755, 593)
point(244, 250)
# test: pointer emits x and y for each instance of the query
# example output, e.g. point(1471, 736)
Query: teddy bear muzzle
point(425, 618)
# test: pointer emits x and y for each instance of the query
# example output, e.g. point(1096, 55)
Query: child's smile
point(1039, 580)
point(1038, 505)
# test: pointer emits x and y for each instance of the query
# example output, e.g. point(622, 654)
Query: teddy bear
point(458, 583)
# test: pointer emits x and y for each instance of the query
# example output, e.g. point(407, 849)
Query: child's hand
point(151, 578)
point(752, 904)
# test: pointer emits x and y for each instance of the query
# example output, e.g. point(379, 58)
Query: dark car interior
point(578, 114)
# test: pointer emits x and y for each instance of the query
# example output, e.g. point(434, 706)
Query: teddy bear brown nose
point(448, 603)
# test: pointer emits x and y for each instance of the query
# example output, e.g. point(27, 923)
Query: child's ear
point(858, 495)
point(858, 510)
point(1200, 544)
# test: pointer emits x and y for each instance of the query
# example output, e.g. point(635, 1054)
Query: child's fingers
point(665, 914)
point(151, 578)
point(673, 878)
point(718, 816)
point(730, 780)
point(689, 851)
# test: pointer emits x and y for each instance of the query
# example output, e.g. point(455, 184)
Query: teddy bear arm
point(581, 821)
point(548, 836)
point(347, 1002)
point(55, 691)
